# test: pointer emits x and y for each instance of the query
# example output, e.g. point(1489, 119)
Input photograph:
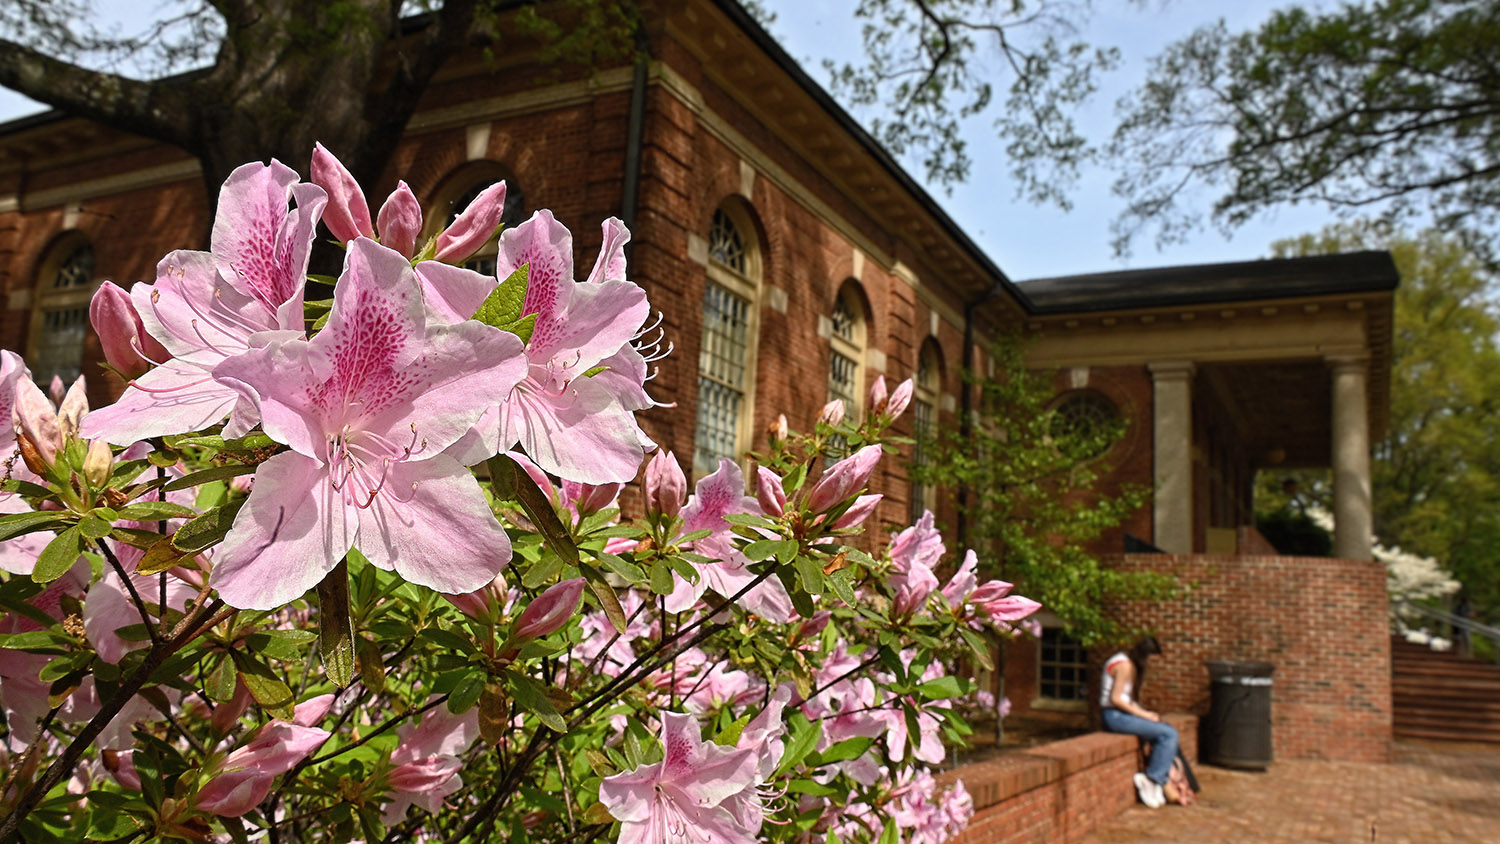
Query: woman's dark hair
point(1139, 654)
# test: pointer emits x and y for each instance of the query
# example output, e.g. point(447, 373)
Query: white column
point(1352, 508)
point(1172, 451)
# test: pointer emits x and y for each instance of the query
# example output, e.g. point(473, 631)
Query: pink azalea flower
point(990, 600)
point(832, 413)
point(205, 307)
point(576, 426)
point(769, 492)
point(12, 371)
point(426, 764)
point(693, 791)
point(862, 508)
point(919, 544)
point(243, 779)
point(900, 398)
point(765, 731)
point(367, 406)
point(473, 227)
point(878, 396)
point(716, 496)
point(400, 221)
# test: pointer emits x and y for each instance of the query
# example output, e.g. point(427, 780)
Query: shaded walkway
point(1432, 794)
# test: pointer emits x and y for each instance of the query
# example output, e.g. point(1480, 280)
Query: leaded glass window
point(62, 321)
point(722, 363)
point(725, 245)
point(1062, 666)
point(1082, 422)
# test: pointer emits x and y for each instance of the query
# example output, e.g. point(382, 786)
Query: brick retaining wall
point(1057, 792)
point(1321, 621)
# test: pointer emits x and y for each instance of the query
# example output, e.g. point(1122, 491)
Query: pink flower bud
point(860, 510)
point(347, 214)
point(400, 221)
point(474, 227)
point(121, 766)
point(813, 626)
point(588, 499)
point(900, 398)
point(56, 389)
point(483, 602)
point(878, 395)
point(777, 430)
point(36, 421)
point(769, 492)
point(832, 413)
point(990, 590)
point(127, 347)
point(551, 610)
point(98, 462)
point(1011, 608)
point(72, 409)
point(843, 479)
point(227, 714)
point(666, 485)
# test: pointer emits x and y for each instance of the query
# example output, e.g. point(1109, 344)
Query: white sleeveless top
point(1107, 685)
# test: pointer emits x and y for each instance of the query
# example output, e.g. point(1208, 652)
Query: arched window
point(924, 404)
point(846, 371)
point(60, 318)
point(726, 356)
point(1084, 424)
point(461, 188)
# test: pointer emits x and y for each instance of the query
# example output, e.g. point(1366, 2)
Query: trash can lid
point(1218, 668)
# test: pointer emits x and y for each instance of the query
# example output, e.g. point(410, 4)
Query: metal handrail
point(1456, 622)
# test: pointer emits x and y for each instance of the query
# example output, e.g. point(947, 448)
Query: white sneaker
point(1149, 792)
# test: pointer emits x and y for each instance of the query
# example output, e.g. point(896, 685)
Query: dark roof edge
point(789, 65)
point(1375, 272)
point(31, 121)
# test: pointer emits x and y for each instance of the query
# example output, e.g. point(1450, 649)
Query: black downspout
point(965, 422)
point(635, 133)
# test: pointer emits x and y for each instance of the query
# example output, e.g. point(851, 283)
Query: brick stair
point(1437, 695)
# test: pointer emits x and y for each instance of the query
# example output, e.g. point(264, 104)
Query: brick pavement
point(1431, 794)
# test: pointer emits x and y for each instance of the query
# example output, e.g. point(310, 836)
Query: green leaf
point(13, 525)
point(809, 787)
point(335, 626)
point(942, 688)
point(979, 647)
point(32, 640)
point(841, 584)
point(217, 473)
point(449, 640)
point(502, 308)
point(59, 556)
point(730, 735)
point(94, 526)
point(811, 574)
point(221, 681)
point(661, 577)
point(605, 594)
point(207, 530)
point(538, 508)
point(624, 568)
point(155, 511)
point(532, 698)
point(891, 834)
point(466, 693)
point(843, 751)
point(160, 557)
point(804, 737)
point(748, 520)
point(269, 691)
point(542, 571)
point(280, 644)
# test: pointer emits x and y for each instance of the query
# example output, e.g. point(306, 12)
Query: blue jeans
point(1163, 738)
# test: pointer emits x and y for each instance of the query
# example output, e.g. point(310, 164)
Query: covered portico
point(1236, 368)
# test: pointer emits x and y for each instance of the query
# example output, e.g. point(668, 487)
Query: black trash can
point(1237, 732)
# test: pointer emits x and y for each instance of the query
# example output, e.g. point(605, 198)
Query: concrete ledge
point(1057, 792)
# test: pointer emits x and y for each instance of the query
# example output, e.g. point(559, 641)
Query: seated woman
point(1123, 673)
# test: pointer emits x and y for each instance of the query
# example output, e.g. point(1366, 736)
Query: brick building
point(794, 260)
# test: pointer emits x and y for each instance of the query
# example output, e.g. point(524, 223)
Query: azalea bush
point(357, 569)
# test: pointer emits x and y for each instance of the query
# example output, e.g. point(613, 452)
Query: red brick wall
point(1320, 621)
point(1058, 792)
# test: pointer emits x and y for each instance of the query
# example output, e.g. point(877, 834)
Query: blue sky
point(1024, 240)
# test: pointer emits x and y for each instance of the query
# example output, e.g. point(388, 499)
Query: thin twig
point(135, 596)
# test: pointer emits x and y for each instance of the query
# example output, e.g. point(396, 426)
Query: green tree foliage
point(1390, 105)
point(1437, 472)
point(231, 81)
point(1034, 498)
